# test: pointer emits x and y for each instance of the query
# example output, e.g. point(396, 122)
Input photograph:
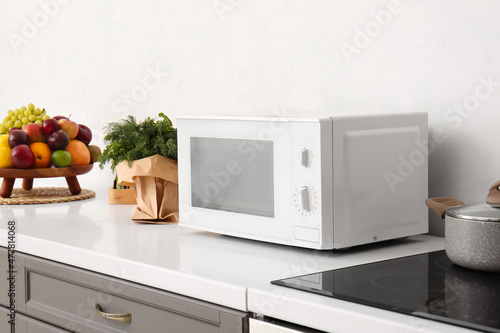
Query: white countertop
point(233, 272)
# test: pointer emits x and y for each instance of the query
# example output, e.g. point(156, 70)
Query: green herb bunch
point(128, 140)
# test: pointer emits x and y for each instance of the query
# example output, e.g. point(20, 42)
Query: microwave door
point(232, 178)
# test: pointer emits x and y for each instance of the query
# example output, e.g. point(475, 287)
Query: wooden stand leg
point(74, 186)
point(7, 186)
point(27, 184)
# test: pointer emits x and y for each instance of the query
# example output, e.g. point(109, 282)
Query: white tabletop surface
point(233, 272)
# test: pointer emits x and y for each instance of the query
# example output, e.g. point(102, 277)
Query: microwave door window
point(233, 175)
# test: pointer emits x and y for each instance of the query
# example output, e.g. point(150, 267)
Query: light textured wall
point(101, 60)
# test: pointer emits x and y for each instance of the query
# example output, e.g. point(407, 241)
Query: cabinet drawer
point(25, 324)
point(4, 274)
point(67, 297)
point(4, 321)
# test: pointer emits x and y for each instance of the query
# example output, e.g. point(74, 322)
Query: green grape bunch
point(23, 116)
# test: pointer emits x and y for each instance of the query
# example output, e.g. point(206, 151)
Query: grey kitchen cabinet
point(25, 324)
point(4, 322)
point(78, 300)
point(4, 274)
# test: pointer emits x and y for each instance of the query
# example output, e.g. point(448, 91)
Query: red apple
point(60, 117)
point(35, 132)
point(50, 126)
point(58, 140)
point(22, 157)
point(18, 137)
point(84, 134)
point(69, 126)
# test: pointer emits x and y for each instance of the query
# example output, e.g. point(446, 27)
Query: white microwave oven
point(319, 183)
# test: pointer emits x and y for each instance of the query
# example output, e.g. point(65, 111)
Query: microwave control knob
point(305, 157)
point(306, 198)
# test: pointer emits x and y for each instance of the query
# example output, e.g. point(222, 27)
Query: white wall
point(93, 59)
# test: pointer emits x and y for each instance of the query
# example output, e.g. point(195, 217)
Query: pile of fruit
point(35, 140)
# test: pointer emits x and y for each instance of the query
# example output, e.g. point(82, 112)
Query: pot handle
point(440, 205)
point(493, 197)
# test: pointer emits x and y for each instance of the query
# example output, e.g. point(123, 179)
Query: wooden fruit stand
point(28, 175)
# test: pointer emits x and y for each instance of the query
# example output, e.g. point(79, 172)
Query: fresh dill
point(129, 140)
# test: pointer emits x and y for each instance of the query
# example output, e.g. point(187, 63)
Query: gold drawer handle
point(126, 317)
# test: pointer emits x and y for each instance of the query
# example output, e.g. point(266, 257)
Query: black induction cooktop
point(427, 285)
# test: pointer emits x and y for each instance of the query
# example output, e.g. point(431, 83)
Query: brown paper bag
point(155, 185)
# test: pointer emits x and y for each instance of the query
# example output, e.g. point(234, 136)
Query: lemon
point(4, 141)
point(5, 160)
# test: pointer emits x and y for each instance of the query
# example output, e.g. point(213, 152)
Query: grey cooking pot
point(472, 231)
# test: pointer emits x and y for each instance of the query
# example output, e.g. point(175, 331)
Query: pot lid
point(477, 212)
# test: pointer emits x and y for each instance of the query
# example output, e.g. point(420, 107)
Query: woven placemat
point(44, 195)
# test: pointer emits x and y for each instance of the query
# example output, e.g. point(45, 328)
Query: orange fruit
point(42, 154)
point(79, 152)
